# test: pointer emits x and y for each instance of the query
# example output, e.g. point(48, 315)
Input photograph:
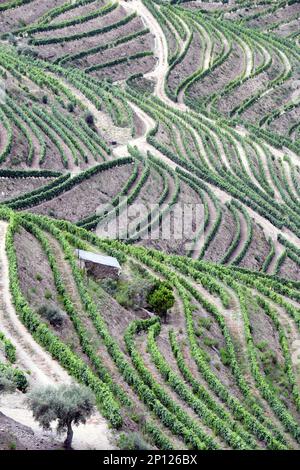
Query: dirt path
point(248, 60)
point(208, 48)
point(279, 249)
point(35, 165)
point(270, 181)
point(161, 47)
point(212, 218)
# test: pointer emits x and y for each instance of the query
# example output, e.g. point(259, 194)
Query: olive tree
point(68, 404)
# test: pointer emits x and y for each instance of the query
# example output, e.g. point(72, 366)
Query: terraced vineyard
point(109, 105)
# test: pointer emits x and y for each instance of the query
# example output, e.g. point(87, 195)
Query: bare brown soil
point(124, 70)
point(13, 187)
point(242, 13)
point(16, 436)
point(83, 200)
point(142, 348)
point(223, 238)
point(241, 93)
point(3, 137)
point(171, 40)
point(143, 43)
point(279, 15)
point(269, 353)
point(79, 11)
point(38, 286)
point(36, 279)
point(290, 270)
point(51, 51)
point(84, 27)
point(257, 251)
point(221, 76)
point(270, 101)
point(171, 242)
point(263, 330)
point(26, 14)
point(53, 159)
point(117, 318)
point(190, 63)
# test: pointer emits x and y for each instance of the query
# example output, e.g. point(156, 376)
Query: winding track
point(159, 74)
point(161, 69)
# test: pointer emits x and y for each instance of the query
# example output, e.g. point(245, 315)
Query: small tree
point(71, 107)
point(161, 299)
point(89, 119)
point(68, 404)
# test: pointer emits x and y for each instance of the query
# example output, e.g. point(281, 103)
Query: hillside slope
point(110, 106)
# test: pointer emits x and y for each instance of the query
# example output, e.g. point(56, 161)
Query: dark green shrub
point(205, 322)
point(71, 107)
point(52, 314)
point(225, 358)
point(132, 441)
point(89, 119)
point(161, 299)
point(48, 294)
point(210, 342)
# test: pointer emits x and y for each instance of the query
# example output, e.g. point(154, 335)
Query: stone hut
point(98, 265)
